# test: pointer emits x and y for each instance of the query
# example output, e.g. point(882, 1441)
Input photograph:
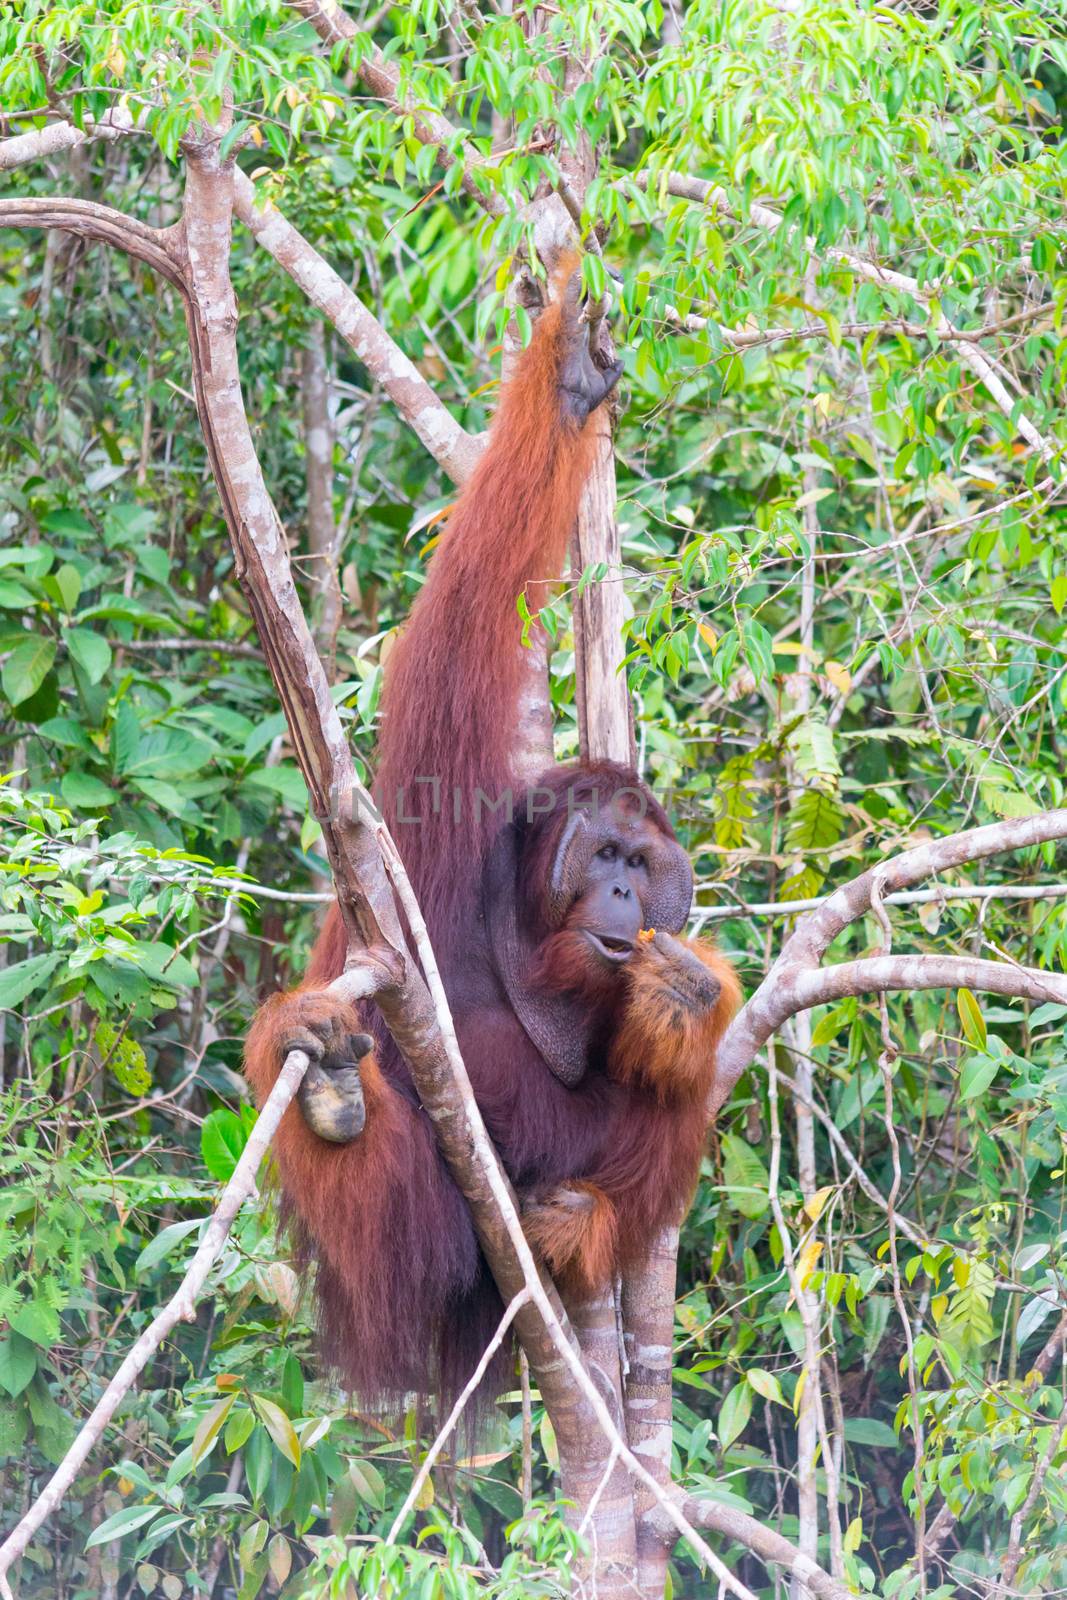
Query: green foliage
point(800, 438)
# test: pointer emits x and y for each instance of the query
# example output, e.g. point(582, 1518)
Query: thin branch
point(766, 1543)
point(886, 1064)
point(381, 77)
point(1014, 1554)
point(907, 897)
point(712, 195)
point(754, 338)
point(179, 1308)
point(1051, 1352)
point(454, 1415)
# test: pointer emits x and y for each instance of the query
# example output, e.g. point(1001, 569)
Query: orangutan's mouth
point(611, 949)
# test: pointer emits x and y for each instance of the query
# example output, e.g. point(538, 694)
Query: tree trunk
point(326, 601)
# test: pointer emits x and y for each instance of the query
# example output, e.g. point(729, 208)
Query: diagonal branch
point(699, 190)
point(770, 1546)
point(195, 258)
point(797, 981)
point(179, 1308)
point(335, 26)
point(452, 447)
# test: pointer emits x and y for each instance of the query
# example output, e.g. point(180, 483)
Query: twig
point(179, 1308)
point(886, 1062)
point(454, 1415)
point(907, 897)
point(711, 194)
point(1014, 1554)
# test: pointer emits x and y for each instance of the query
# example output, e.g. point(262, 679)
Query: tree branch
point(764, 1542)
point(907, 897)
point(334, 26)
point(40, 143)
point(796, 980)
point(179, 1308)
point(710, 194)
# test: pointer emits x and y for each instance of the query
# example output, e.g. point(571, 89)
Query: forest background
point(834, 239)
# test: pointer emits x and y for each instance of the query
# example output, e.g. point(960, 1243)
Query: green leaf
point(67, 732)
point(765, 1384)
point(279, 1427)
point(26, 668)
point(164, 1242)
point(165, 965)
point(162, 794)
point(38, 1322)
point(871, 1431)
point(238, 1428)
point(90, 651)
point(20, 980)
point(210, 1427)
point(82, 791)
point(15, 596)
point(223, 1136)
point(18, 1363)
point(124, 1521)
point(977, 1074)
point(1051, 1011)
point(971, 1019)
point(125, 1058)
point(67, 580)
point(745, 1177)
point(830, 1025)
point(368, 1483)
point(734, 1415)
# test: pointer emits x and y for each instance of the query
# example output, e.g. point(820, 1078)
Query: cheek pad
point(670, 892)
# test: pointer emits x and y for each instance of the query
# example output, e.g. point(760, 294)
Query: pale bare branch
point(381, 77)
point(712, 195)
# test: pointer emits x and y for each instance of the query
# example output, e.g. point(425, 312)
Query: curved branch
point(156, 247)
point(796, 981)
point(798, 988)
point(813, 934)
point(764, 1542)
